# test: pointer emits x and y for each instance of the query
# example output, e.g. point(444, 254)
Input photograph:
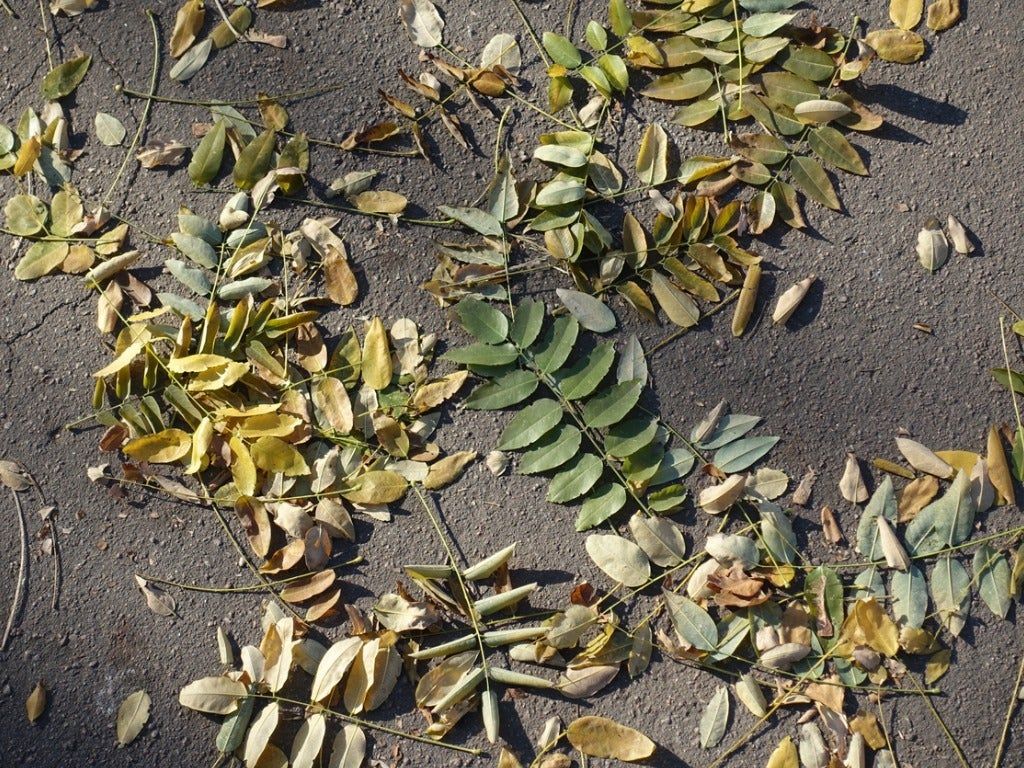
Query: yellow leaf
point(341, 284)
point(784, 756)
point(35, 705)
point(275, 455)
point(196, 363)
point(377, 487)
point(162, 447)
point(269, 425)
point(866, 724)
point(243, 471)
point(601, 737)
point(219, 377)
point(868, 624)
point(998, 469)
point(187, 23)
point(200, 445)
point(380, 202)
point(936, 666)
point(433, 393)
point(962, 460)
point(333, 403)
point(376, 356)
point(943, 14)
point(447, 470)
point(906, 14)
point(27, 156)
point(896, 45)
point(139, 338)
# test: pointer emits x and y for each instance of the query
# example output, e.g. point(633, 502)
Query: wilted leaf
point(851, 485)
point(790, 300)
point(932, 246)
point(35, 705)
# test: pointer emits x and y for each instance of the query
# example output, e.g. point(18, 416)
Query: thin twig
point(1010, 709)
point(145, 111)
point(19, 585)
point(46, 34)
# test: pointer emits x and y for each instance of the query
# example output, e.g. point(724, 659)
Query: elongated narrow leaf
point(715, 719)
point(993, 577)
point(909, 597)
point(530, 424)
point(505, 391)
point(592, 313)
point(612, 405)
point(951, 591)
point(810, 178)
point(208, 156)
point(741, 454)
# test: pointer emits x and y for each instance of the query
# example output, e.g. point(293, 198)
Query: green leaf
point(730, 427)
point(64, 78)
point(600, 505)
point(789, 89)
point(527, 324)
point(483, 354)
point(945, 522)
point(824, 590)
point(680, 86)
point(641, 466)
point(554, 348)
point(41, 259)
point(809, 63)
point(1009, 378)
point(652, 158)
point(883, 502)
point(25, 215)
point(832, 147)
point(679, 307)
point(763, 24)
point(109, 130)
point(193, 278)
point(951, 591)
point(503, 392)
point(628, 437)
point(620, 19)
point(483, 321)
point(777, 535)
point(556, 154)
point(810, 178)
point(739, 455)
point(576, 479)
point(195, 248)
point(909, 592)
point(583, 377)
point(612, 405)
point(560, 191)
point(208, 156)
point(592, 313)
point(556, 448)
point(255, 160)
point(632, 362)
point(66, 212)
point(692, 623)
point(530, 424)
point(675, 465)
point(715, 719)
point(766, 6)
point(561, 50)
point(479, 221)
point(993, 576)
point(193, 60)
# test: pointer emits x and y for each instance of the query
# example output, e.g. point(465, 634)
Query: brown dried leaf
point(916, 496)
point(851, 485)
point(339, 279)
point(158, 601)
point(829, 527)
point(35, 705)
point(447, 470)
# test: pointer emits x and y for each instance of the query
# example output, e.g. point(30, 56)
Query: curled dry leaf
point(958, 234)
point(923, 459)
point(161, 152)
point(894, 552)
point(132, 716)
point(820, 111)
point(718, 498)
point(833, 533)
point(932, 246)
point(600, 737)
point(916, 496)
point(158, 601)
point(35, 705)
point(851, 485)
point(747, 299)
point(790, 300)
point(496, 462)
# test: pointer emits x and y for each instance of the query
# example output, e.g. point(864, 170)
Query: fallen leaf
point(132, 716)
point(35, 705)
point(600, 737)
point(851, 485)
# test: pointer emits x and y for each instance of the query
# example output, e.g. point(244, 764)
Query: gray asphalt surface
point(845, 376)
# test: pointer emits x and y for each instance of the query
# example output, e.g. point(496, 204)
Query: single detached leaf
point(422, 22)
point(604, 738)
point(35, 704)
point(896, 45)
point(715, 719)
point(109, 129)
point(741, 454)
point(652, 159)
point(906, 14)
point(132, 716)
point(64, 78)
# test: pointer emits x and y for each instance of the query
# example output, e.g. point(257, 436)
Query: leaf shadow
point(897, 99)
